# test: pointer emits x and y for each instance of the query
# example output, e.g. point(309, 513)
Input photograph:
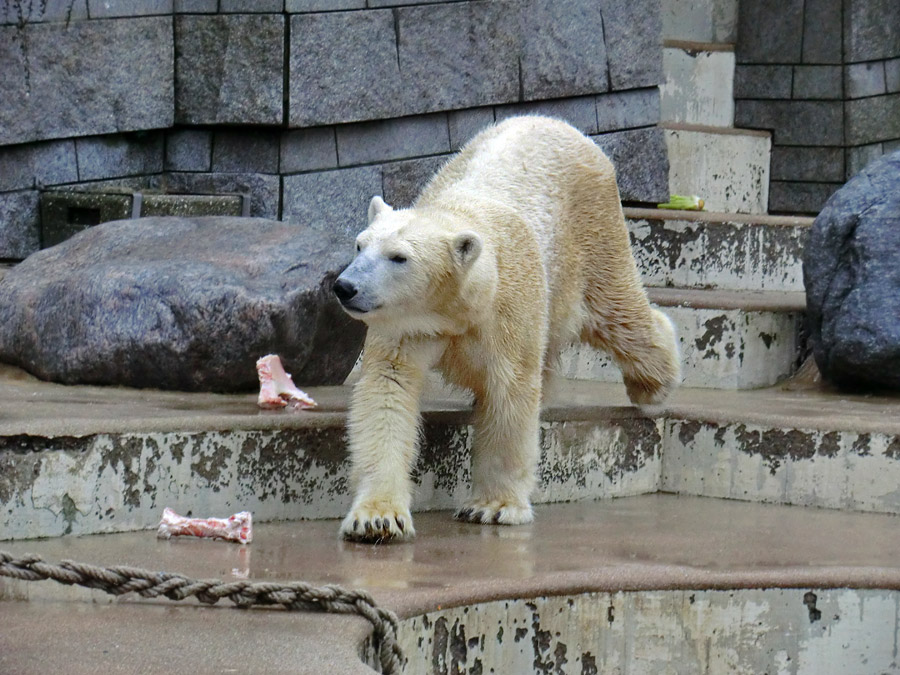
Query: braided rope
point(295, 595)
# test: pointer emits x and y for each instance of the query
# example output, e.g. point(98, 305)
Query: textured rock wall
point(824, 76)
point(309, 106)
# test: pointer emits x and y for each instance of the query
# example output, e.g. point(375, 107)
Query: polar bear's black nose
point(344, 290)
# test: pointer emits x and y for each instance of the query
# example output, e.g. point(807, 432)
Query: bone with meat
point(237, 528)
point(276, 389)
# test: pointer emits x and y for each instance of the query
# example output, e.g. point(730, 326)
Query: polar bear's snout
point(344, 290)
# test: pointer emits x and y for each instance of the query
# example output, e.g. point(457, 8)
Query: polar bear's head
point(415, 271)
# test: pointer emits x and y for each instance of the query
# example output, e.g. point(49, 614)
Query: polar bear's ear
point(376, 206)
point(466, 247)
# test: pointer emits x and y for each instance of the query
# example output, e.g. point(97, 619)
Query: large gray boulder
point(181, 303)
point(851, 269)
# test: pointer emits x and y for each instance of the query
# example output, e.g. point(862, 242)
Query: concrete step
point(82, 460)
point(699, 86)
point(728, 339)
point(728, 168)
point(698, 249)
point(648, 584)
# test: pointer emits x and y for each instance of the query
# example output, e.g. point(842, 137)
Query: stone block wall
point(824, 77)
point(309, 106)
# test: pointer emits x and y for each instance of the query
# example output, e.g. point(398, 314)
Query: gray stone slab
point(196, 6)
point(188, 150)
point(628, 109)
point(818, 82)
point(37, 165)
point(229, 69)
point(332, 200)
point(308, 150)
point(769, 31)
point(403, 181)
point(562, 53)
point(580, 112)
point(19, 224)
point(865, 79)
point(107, 9)
point(807, 164)
point(892, 75)
point(764, 82)
point(116, 156)
point(264, 189)
point(807, 198)
point(481, 69)
point(119, 72)
point(794, 122)
point(822, 31)
point(354, 78)
point(324, 5)
point(860, 156)
point(384, 140)
point(868, 120)
point(642, 165)
point(398, 3)
point(632, 30)
point(464, 124)
point(246, 151)
point(18, 12)
point(251, 6)
point(871, 30)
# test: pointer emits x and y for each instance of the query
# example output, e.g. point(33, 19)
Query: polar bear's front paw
point(378, 521)
point(495, 512)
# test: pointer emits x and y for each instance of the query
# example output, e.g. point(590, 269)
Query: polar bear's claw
point(377, 524)
point(496, 513)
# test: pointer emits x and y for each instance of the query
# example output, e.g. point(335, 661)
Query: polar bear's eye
point(398, 258)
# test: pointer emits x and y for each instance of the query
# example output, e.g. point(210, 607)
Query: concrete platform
point(595, 554)
point(82, 460)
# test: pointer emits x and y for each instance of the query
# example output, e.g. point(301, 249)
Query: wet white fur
point(517, 247)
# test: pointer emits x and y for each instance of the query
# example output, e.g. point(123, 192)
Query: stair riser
point(672, 631)
point(729, 256)
point(833, 469)
point(698, 87)
point(120, 483)
point(729, 171)
point(720, 349)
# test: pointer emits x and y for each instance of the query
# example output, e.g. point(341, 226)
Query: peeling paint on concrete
point(729, 256)
point(741, 632)
point(720, 349)
point(698, 87)
point(730, 171)
point(122, 482)
point(831, 469)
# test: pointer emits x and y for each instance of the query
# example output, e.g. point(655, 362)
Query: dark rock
point(180, 303)
point(851, 269)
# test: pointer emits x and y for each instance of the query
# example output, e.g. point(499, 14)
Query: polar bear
point(515, 249)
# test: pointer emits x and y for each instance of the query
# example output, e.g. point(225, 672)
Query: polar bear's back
point(531, 164)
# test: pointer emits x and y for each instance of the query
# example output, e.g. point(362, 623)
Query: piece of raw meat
point(276, 389)
point(237, 528)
